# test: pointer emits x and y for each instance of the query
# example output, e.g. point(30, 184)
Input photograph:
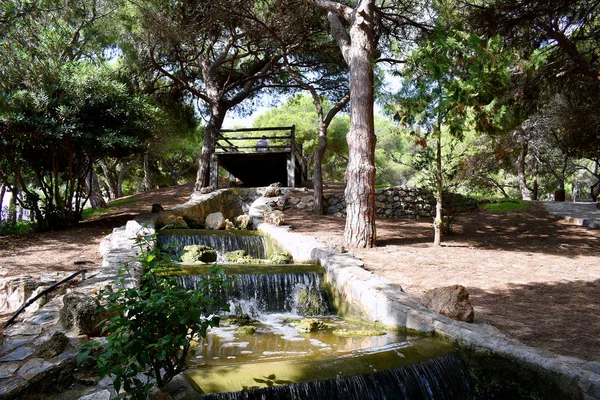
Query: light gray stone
point(19, 354)
point(100, 395)
point(14, 342)
point(214, 221)
point(260, 208)
point(33, 368)
point(42, 318)
point(7, 370)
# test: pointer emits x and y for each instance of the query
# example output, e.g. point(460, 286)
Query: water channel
point(282, 339)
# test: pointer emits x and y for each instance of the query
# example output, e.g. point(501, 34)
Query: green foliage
point(507, 206)
point(7, 228)
point(151, 327)
point(300, 111)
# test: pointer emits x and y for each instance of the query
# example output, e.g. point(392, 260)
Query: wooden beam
point(277, 128)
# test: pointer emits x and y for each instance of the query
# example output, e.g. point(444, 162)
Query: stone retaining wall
point(378, 300)
point(393, 202)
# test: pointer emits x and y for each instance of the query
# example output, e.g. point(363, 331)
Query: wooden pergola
point(236, 152)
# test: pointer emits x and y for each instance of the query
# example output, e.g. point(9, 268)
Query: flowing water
point(290, 345)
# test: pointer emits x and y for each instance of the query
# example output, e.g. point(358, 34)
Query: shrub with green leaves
point(151, 326)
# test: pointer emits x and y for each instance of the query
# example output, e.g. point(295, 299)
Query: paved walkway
point(584, 213)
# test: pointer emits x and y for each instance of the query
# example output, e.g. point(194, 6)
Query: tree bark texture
point(318, 207)
point(360, 174)
point(93, 188)
point(213, 128)
point(437, 223)
point(521, 175)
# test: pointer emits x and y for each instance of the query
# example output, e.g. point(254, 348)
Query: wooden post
point(291, 163)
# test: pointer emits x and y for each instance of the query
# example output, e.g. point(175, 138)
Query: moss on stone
point(281, 258)
point(311, 325)
point(198, 254)
point(234, 256)
point(241, 320)
point(246, 330)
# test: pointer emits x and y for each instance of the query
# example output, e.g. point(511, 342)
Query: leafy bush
point(151, 326)
point(8, 228)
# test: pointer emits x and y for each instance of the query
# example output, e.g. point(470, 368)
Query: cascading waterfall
point(282, 359)
point(297, 293)
point(440, 378)
point(254, 245)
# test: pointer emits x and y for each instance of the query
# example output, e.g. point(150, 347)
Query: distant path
point(583, 214)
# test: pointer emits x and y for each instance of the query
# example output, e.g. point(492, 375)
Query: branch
point(334, 7)
point(340, 34)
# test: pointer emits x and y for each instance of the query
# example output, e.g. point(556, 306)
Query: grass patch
point(507, 206)
point(89, 213)
point(18, 228)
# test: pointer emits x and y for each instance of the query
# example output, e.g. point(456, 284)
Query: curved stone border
point(375, 298)
point(379, 300)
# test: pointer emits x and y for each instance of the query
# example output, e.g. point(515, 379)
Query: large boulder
point(214, 221)
point(451, 301)
point(80, 314)
point(198, 254)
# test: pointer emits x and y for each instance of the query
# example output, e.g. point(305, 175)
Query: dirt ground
point(530, 275)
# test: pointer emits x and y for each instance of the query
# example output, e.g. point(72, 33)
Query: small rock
point(246, 330)
point(229, 226)
point(208, 189)
point(156, 208)
point(276, 218)
point(214, 221)
point(260, 208)
point(311, 325)
point(80, 313)
point(242, 221)
point(281, 258)
point(100, 395)
point(451, 301)
point(272, 191)
point(56, 345)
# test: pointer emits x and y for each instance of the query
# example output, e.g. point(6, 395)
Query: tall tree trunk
point(521, 175)
point(534, 176)
point(93, 188)
point(110, 178)
point(2, 193)
point(121, 168)
point(437, 222)
point(217, 115)
point(318, 207)
point(357, 46)
point(146, 167)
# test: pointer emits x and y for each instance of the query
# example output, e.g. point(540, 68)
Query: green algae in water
point(358, 333)
point(272, 371)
